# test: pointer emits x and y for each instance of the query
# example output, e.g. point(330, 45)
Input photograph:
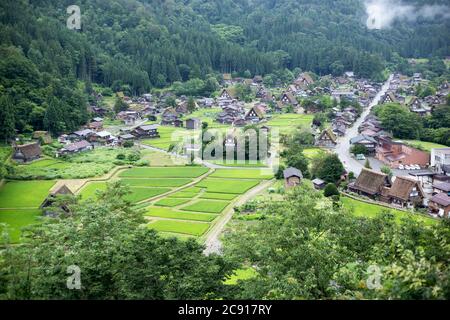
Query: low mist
point(382, 13)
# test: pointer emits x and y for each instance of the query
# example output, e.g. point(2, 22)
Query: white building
point(440, 160)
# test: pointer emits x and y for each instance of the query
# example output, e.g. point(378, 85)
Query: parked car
point(401, 167)
point(417, 167)
point(407, 167)
point(360, 157)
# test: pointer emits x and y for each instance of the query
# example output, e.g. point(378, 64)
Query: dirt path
point(212, 242)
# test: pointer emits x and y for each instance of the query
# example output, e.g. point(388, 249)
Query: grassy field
point(241, 174)
point(169, 172)
point(427, 146)
point(173, 182)
point(171, 202)
point(363, 209)
point(79, 166)
point(24, 194)
point(285, 123)
point(208, 115)
point(227, 185)
point(207, 206)
point(18, 219)
point(182, 215)
point(161, 159)
point(190, 228)
point(168, 135)
point(137, 193)
point(218, 196)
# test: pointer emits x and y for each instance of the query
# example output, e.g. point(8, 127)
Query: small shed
point(292, 177)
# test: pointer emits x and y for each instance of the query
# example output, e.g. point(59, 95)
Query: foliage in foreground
point(308, 248)
point(119, 258)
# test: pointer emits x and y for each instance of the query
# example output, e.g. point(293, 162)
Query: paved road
point(212, 242)
point(343, 146)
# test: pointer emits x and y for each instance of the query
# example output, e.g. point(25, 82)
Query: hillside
point(144, 44)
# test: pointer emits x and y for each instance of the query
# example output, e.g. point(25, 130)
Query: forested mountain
point(143, 44)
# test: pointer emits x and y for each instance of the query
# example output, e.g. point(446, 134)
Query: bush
point(330, 190)
point(136, 156)
point(128, 144)
point(279, 173)
point(121, 156)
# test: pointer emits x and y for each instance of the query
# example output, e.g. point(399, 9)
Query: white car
point(417, 167)
point(407, 167)
point(401, 167)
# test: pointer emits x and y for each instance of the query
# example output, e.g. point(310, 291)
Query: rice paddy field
point(242, 174)
point(19, 205)
point(168, 172)
point(203, 204)
point(233, 186)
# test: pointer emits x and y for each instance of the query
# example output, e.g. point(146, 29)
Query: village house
point(395, 153)
point(102, 138)
point(416, 106)
point(193, 123)
point(27, 152)
point(79, 135)
point(370, 183)
point(255, 114)
point(171, 118)
point(59, 191)
point(326, 139)
point(206, 102)
point(146, 131)
point(99, 111)
point(125, 137)
point(405, 193)
point(366, 141)
point(319, 184)
point(258, 79)
point(292, 177)
point(75, 147)
point(339, 129)
point(239, 122)
point(227, 94)
point(95, 125)
point(440, 205)
point(129, 118)
point(441, 187)
point(388, 98)
point(304, 80)
point(43, 137)
point(288, 99)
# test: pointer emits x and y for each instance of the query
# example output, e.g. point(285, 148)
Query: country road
point(212, 242)
point(343, 146)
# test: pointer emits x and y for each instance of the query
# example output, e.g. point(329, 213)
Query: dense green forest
point(137, 45)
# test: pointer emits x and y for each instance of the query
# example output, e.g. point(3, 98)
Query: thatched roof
point(29, 151)
point(402, 188)
point(330, 134)
point(371, 182)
